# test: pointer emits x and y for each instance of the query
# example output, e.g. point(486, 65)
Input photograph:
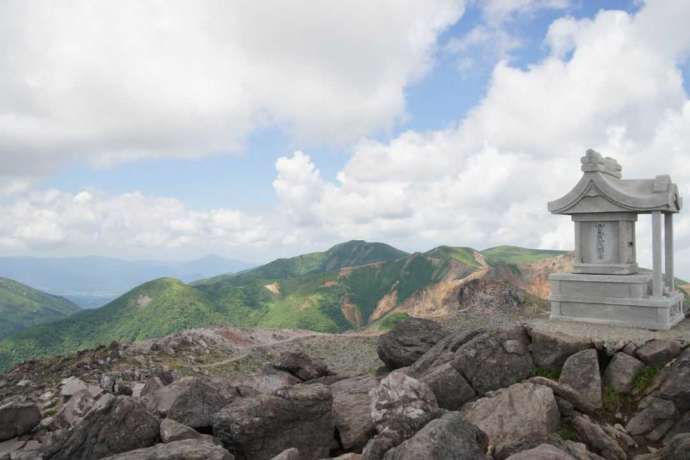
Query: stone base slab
point(619, 300)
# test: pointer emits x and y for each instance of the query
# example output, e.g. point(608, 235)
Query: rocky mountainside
point(22, 306)
point(420, 391)
point(354, 285)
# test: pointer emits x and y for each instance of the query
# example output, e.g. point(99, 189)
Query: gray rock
point(656, 353)
point(446, 438)
point(408, 341)
point(289, 454)
point(654, 411)
point(174, 431)
point(116, 424)
point(301, 366)
point(495, 359)
point(263, 426)
point(621, 371)
point(580, 451)
point(542, 452)
point(581, 372)
point(449, 386)
point(191, 401)
point(681, 426)
point(377, 446)
point(177, 450)
point(443, 352)
point(677, 448)
point(566, 392)
point(75, 409)
point(550, 349)
point(268, 380)
point(73, 385)
point(18, 418)
point(402, 404)
point(515, 418)
point(597, 439)
point(676, 385)
point(351, 410)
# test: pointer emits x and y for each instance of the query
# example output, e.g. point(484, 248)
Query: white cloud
point(611, 83)
point(487, 181)
point(123, 80)
point(131, 224)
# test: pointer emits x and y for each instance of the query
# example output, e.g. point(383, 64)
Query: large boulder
point(581, 372)
point(550, 349)
point(597, 439)
point(191, 401)
point(656, 353)
point(18, 418)
point(261, 427)
point(351, 410)
point(116, 424)
point(542, 452)
point(447, 438)
point(652, 413)
point(495, 359)
point(178, 450)
point(408, 341)
point(73, 385)
point(621, 371)
point(449, 386)
point(515, 418)
point(402, 404)
point(676, 386)
point(301, 365)
point(443, 352)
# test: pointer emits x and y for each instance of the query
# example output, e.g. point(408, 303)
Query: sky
point(257, 130)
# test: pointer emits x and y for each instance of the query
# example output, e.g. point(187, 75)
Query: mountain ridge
point(318, 291)
point(22, 306)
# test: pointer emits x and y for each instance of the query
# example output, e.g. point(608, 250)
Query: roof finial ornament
point(593, 162)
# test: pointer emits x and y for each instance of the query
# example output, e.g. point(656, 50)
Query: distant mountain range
point(22, 306)
point(94, 281)
point(352, 285)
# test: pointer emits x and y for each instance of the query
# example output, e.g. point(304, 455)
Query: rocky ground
point(420, 391)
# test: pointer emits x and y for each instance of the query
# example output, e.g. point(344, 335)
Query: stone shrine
point(606, 285)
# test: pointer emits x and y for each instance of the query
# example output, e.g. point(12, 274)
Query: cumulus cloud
point(611, 83)
point(129, 224)
point(124, 80)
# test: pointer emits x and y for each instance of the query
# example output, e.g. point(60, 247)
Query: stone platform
point(621, 300)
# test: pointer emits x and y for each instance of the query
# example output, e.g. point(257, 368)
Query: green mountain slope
point(514, 255)
point(22, 306)
point(351, 285)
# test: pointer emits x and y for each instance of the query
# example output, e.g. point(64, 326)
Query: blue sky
point(244, 181)
point(146, 130)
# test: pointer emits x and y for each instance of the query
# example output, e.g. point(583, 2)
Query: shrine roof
point(602, 189)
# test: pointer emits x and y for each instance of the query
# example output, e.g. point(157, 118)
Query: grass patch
point(644, 379)
point(615, 402)
point(567, 432)
point(548, 373)
point(389, 321)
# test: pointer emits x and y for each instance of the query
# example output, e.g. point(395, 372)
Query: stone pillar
point(668, 255)
point(657, 282)
point(578, 242)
